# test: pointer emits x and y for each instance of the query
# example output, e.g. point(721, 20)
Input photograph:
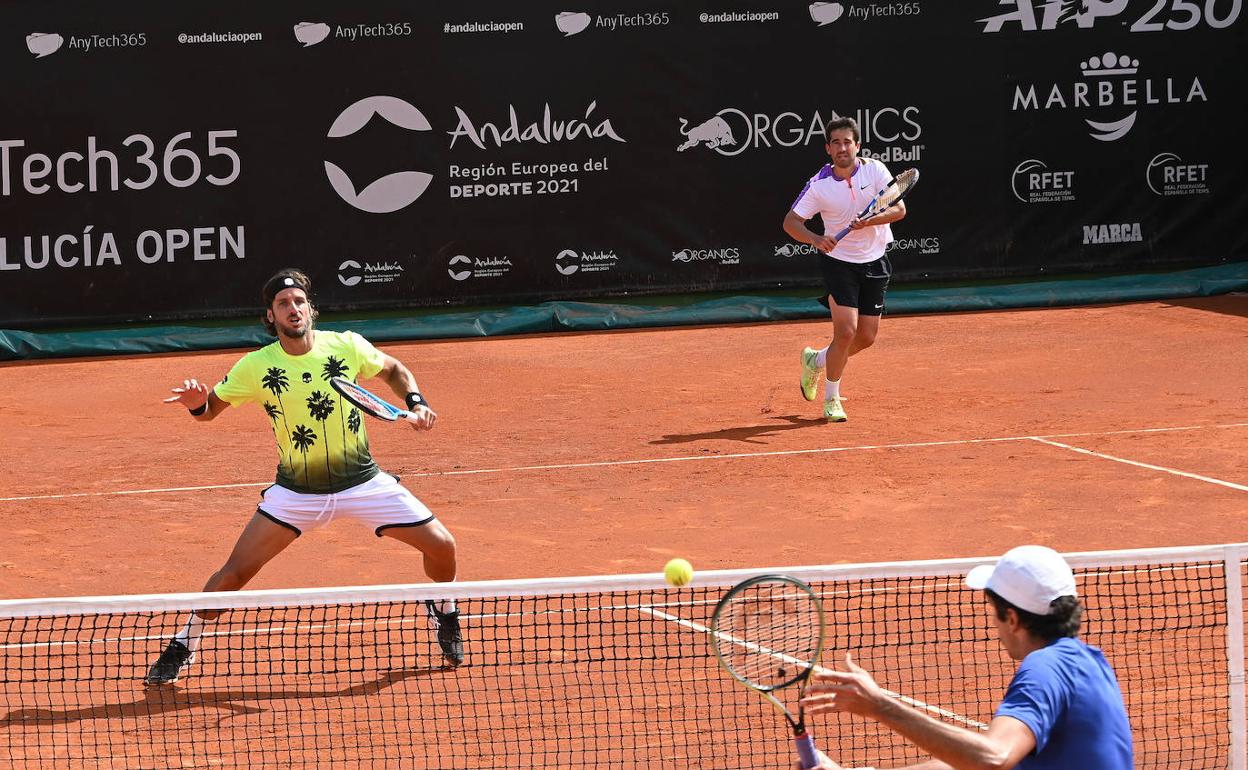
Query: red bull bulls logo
point(712, 133)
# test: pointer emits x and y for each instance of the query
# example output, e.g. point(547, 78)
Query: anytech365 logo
point(1109, 85)
point(393, 191)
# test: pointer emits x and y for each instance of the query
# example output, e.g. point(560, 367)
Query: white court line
point(653, 460)
point(1174, 471)
point(818, 669)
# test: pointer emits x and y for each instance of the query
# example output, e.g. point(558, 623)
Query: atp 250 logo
point(1141, 15)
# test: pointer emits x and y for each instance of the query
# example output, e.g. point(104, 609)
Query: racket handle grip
point(841, 234)
point(806, 750)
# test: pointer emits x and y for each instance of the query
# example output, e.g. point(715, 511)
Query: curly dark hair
point(1065, 615)
point(836, 124)
point(286, 278)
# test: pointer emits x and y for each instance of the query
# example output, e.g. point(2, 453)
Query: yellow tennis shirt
point(321, 442)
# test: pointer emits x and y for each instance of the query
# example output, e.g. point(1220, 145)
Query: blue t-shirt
point(1067, 695)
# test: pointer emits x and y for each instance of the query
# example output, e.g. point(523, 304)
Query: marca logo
point(1158, 15)
point(1109, 83)
point(461, 267)
point(393, 191)
point(570, 261)
point(546, 131)
point(794, 249)
point(1167, 174)
point(1124, 233)
point(732, 131)
point(1033, 182)
point(727, 256)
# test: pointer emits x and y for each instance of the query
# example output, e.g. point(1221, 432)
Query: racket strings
point(769, 634)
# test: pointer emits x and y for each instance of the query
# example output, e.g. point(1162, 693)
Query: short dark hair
point(836, 124)
point(1065, 615)
point(286, 278)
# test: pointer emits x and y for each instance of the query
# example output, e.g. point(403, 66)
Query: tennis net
point(602, 672)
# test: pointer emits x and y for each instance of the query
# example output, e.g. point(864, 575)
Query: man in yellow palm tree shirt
point(325, 470)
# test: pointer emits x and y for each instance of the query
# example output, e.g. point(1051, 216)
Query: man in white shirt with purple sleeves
point(855, 269)
point(1063, 709)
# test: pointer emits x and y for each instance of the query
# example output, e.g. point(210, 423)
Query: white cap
point(1030, 577)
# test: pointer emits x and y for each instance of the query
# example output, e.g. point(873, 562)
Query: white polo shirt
point(839, 201)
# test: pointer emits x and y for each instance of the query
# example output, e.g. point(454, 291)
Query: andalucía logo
point(1109, 85)
point(393, 191)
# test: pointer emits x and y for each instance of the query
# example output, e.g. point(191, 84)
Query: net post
point(1235, 655)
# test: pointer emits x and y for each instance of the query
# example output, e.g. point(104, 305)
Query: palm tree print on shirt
point(353, 425)
point(303, 439)
point(273, 411)
point(321, 407)
point(276, 382)
point(336, 367)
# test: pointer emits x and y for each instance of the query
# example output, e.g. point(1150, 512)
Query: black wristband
point(414, 400)
point(199, 410)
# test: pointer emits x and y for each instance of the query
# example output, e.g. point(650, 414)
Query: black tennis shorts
point(856, 285)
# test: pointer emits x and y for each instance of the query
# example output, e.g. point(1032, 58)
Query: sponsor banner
point(514, 153)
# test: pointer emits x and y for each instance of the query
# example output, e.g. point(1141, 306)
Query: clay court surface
point(611, 452)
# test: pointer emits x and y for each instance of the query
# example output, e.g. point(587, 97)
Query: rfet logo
point(1167, 174)
point(393, 191)
point(1109, 83)
point(1034, 182)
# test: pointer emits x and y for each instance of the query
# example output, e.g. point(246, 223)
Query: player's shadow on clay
point(749, 434)
point(228, 703)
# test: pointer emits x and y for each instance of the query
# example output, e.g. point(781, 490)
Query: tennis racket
point(894, 191)
point(369, 403)
point(768, 633)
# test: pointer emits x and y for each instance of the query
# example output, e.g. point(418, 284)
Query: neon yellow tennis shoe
point(810, 373)
point(833, 411)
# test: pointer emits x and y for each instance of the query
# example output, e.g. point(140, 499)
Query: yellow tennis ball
point(678, 572)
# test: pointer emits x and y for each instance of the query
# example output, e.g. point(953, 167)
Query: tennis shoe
point(810, 373)
point(170, 665)
point(449, 637)
point(833, 411)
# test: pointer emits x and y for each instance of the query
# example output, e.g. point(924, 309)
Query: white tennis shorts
point(380, 503)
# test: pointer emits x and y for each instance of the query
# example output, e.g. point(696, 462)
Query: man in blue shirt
point(1063, 709)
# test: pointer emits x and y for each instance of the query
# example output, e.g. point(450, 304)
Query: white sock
point(445, 605)
point(190, 633)
point(831, 389)
point(821, 360)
